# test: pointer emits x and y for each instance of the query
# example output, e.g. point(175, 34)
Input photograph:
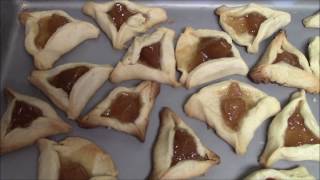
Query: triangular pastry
point(26, 120)
point(74, 158)
point(178, 152)
point(314, 56)
point(150, 57)
point(121, 20)
point(70, 86)
point(250, 24)
point(298, 173)
point(286, 65)
point(234, 109)
point(125, 109)
point(293, 134)
point(50, 34)
point(312, 21)
point(204, 55)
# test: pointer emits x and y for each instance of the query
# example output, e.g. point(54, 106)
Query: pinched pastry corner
point(284, 64)
point(312, 21)
point(70, 86)
point(121, 20)
point(178, 152)
point(74, 158)
point(250, 24)
point(293, 134)
point(314, 56)
point(150, 57)
point(298, 173)
point(26, 120)
point(125, 109)
point(50, 34)
point(233, 109)
point(204, 55)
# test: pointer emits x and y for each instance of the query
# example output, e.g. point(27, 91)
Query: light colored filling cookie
point(234, 106)
point(297, 133)
point(248, 23)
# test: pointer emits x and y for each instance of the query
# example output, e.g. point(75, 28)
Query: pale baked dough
point(275, 149)
point(148, 92)
point(205, 106)
point(298, 173)
point(282, 73)
point(314, 55)
point(312, 21)
point(97, 163)
point(130, 67)
point(275, 21)
point(163, 151)
point(212, 69)
point(144, 19)
point(47, 125)
point(83, 89)
point(62, 41)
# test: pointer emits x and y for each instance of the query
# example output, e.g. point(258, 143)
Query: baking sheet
point(133, 158)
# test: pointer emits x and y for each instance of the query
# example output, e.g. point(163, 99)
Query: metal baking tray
point(133, 158)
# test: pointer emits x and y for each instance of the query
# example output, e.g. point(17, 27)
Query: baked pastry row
point(173, 158)
point(71, 86)
point(282, 63)
point(204, 55)
point(201, 55)
point(122, 20)
point(50, 34)
point(233, 108)
point(28, 119)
